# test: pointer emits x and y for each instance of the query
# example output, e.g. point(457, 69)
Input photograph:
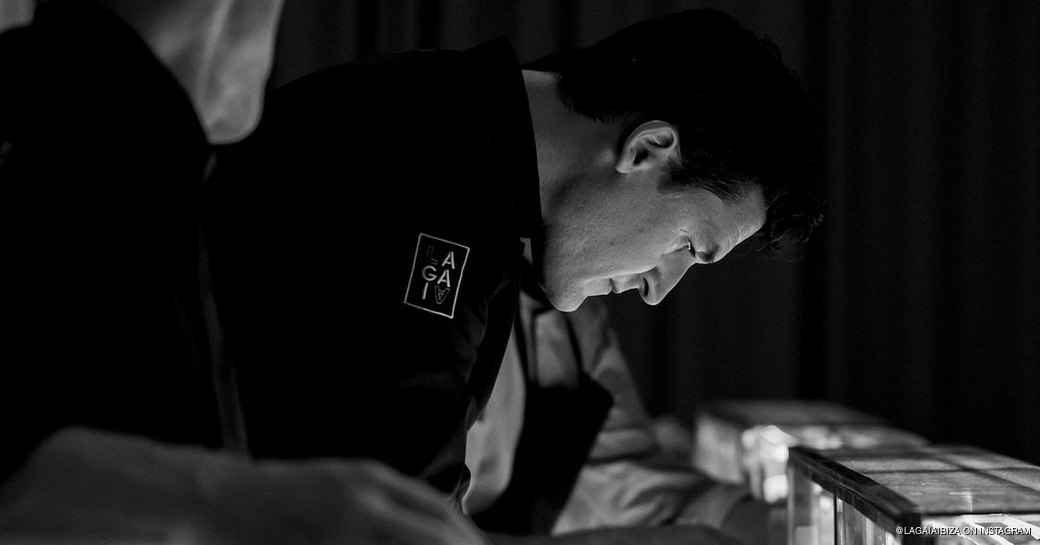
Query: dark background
point(919, 300)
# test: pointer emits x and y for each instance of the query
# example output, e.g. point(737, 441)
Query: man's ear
point(649, 145)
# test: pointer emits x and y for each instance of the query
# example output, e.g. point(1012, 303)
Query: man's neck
point(569, 145)
point(548, 114)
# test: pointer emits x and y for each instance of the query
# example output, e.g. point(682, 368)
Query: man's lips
point(643, 286)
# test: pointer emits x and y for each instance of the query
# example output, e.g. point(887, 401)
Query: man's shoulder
point(402, 65)
point(403, 136)
point(389, 158)
point(396, 85)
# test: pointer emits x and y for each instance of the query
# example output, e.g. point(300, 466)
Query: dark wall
point(920, 298)
point(928, 278)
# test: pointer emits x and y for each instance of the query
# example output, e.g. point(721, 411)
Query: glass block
point(917, 495)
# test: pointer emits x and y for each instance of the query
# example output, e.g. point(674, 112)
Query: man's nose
point(661, 280)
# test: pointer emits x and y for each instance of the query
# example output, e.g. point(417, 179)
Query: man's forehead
point(746, 216)
point(757, 211)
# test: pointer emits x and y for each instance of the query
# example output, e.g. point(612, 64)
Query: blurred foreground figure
point(377, 225)
point(110, 343)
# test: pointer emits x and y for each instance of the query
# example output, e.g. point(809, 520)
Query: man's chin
point(565, 302)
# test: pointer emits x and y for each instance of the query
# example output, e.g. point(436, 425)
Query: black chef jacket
point(101, 159)
point(368, 271)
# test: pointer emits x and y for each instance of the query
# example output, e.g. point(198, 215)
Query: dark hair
point(742, 116)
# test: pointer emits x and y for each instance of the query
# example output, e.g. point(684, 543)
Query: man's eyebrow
point(708, 257)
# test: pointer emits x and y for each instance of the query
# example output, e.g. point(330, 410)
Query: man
point(370, 253)
point(113, 372)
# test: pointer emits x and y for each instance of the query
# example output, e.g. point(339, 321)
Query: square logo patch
point(436, 275)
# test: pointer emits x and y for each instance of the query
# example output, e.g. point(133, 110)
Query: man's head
point(710, 144)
